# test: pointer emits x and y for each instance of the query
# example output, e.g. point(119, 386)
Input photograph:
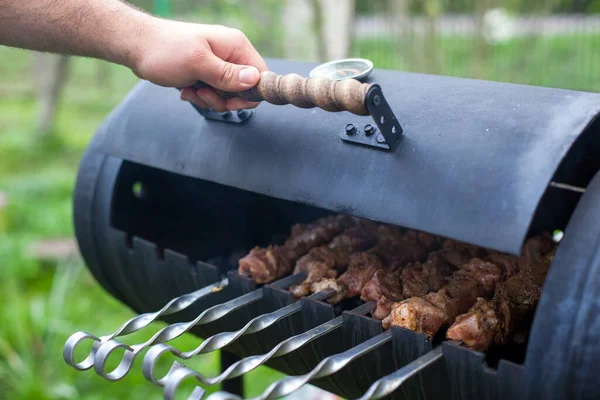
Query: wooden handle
point(329, 95)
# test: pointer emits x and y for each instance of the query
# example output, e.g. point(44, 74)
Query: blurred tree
point(433, 10)
point(335, 21)
point(300, 41)
point(50, 74)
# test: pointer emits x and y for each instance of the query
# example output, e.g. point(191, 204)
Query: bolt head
point(369, 129)
point(227, 114)
point(350, 129)
point(380, 138)
point(376, 99)
point(242, 114)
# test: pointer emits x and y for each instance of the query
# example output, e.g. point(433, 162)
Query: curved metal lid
point(473, 162)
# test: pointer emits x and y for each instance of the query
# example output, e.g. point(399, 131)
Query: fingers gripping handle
point(334, 96)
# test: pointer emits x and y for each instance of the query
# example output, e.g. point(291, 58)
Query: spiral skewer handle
point(135, 324)
point(220, 340)
point(164, 335)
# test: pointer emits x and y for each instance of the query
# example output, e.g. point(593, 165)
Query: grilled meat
point(394, 250)
point(328, 261)
point(361, 268)
point(390, 285)
point(513, 304)
point(385, 287)
point(265, 265)
point(429, 313)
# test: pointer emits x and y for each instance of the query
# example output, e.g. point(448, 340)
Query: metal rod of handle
point(135, 324)
point(390, 383)
point(334, 96)
point(220, 340)
point(250, 363)
point(290, 384)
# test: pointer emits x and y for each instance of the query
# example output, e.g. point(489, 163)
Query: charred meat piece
point(477, 328)
point(419, 279)
point(393, 251)
point(464, 248)
point(535, 248)
point(412, 247)
point(385, 287)
point(485, 273)
point(361, 268)
point(388, 284)
point(477, 277)
point(328, 261)
point(418, 315)
point(265, 265)
point(512, 306)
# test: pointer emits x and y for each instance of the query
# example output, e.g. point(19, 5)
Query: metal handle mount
point(350, 95)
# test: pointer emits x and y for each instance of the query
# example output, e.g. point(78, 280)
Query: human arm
point(167, 53)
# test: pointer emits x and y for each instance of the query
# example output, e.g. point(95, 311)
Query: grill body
point(164, 200)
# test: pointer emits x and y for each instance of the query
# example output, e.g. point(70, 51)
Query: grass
point(44, 303)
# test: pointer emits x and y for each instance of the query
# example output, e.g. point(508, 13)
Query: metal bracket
point(231, 117)
point(387, 131)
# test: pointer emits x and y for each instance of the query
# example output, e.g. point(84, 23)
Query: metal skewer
point(250, 363)
point(222, 339)
point(389, 383)
point(175, 330)
point(135, 324)
point(290, 384)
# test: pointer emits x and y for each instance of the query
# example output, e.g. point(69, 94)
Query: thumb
point(229, 77)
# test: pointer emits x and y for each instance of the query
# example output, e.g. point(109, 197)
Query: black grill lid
point(473, 163)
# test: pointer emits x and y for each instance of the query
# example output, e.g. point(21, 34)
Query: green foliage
point(543, 61)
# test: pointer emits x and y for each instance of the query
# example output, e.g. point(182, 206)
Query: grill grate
point(338, 348)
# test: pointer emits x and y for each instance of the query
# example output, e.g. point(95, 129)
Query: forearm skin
point(106, 29)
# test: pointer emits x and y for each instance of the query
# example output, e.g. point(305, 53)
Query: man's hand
point(167, 53)
point(178, 54)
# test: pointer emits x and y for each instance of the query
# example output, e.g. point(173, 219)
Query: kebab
point(330, 260)
point(265, 265)
point(401, 281)
point(394, 248)
point(500, 319)
point(476, 279)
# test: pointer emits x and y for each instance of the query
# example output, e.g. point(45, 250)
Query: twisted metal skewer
point(164, 335)
point(175, 330)
point(222, 339)
point(135, 324)
point(290, 384)
point(389, 383)
point(250, 363)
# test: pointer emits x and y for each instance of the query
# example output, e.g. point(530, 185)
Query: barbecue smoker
point(167, 201)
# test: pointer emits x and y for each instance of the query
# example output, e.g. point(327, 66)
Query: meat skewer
point(429, 313)
point(476, 279)
point(265, 265)
point(498, 320)
point(393, 249)
point(390, 285)
point(330, 260)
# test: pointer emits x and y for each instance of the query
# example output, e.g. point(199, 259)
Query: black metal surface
point(564, 344)
point(235, 385)
point(474, 154)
